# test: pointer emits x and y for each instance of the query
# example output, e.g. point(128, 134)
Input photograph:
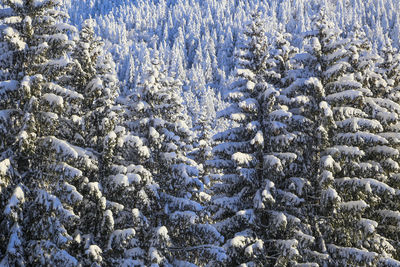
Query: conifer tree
point(8, 184)
point(389, 67)
point(59, 154)
point(348, 171)
point(239, 153)
point(105, 232)
point(38, 47)
point(292, 123)
point(157, 124)
point(383, 180)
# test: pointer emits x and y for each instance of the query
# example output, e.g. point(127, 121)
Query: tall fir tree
point(349, 185)
point(37, 49)
point(60, 157)
point(294, 124)
point(105, 231)
point(157, 122)
point(384, 182)
point(239, 153)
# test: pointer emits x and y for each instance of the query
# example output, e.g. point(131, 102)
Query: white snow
point(369, 226)
point(9, 85)
point(385, 151)
point(362, 256)
point(258, 139)
point(54, 100)
point(121, 236)
point(95, 188)
point(67, 172)
point(238, 117)
point(315, 82)
point(330, 194)
point(250, 85)
point(153, 133)
point(67, 150)
point(279, 114)
point(360, 124)
point(289, 246)
point(349, 112)
point(349, 152)
point(340, 66)
point(134, 178)
point(350, 84)
point(73, 195)
point(360, 138)
point(326, 108)
point(162, 231)
point(57, 89)
point(169, 156)
point(298, 184)
point(17, 198)
point(328, 163)
point(345, 96)
point(94, 252)
point(358, 205)
point(245, 73)
point(242, 159)
point(155, 256)
point(264, 195)
point(238, 241)
point(390, 214)
point(5, 167)
point(58, 63)
point(249, 104)
point(108, 216)
point(273, 162)
point(120, 179)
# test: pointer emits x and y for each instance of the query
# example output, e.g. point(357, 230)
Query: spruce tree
point(104, 232)
point(58, 155)
point(383, 181)
point(293, 124)
point(158, 129)
point(12, 220)
point(37, 50)
point(239, 154)
point(349, 165)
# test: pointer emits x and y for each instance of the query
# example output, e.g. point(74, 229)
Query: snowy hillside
point(196, 39)
point(199, 133)
point(126, 24)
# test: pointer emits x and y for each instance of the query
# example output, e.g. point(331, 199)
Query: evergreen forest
point(199, 133)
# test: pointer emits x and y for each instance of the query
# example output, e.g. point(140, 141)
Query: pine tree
point(383, 182)
point(158, 126)
point(348, 194)
point(94, 124)
point(239, 153)
point(58, 163)
point(36, 70)
point(293, 123)
point(203, 144)
point(11, 220)
point(389, 67)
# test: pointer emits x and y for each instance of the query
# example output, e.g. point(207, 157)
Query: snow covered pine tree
point(106, 236)
point(351, 160)
point(239, 154)
point(34, 68)
point(291, 124)
point(159, 131)
point(57, 156)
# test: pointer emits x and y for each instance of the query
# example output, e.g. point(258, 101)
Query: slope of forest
point(189, 32)
point(199, 133)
